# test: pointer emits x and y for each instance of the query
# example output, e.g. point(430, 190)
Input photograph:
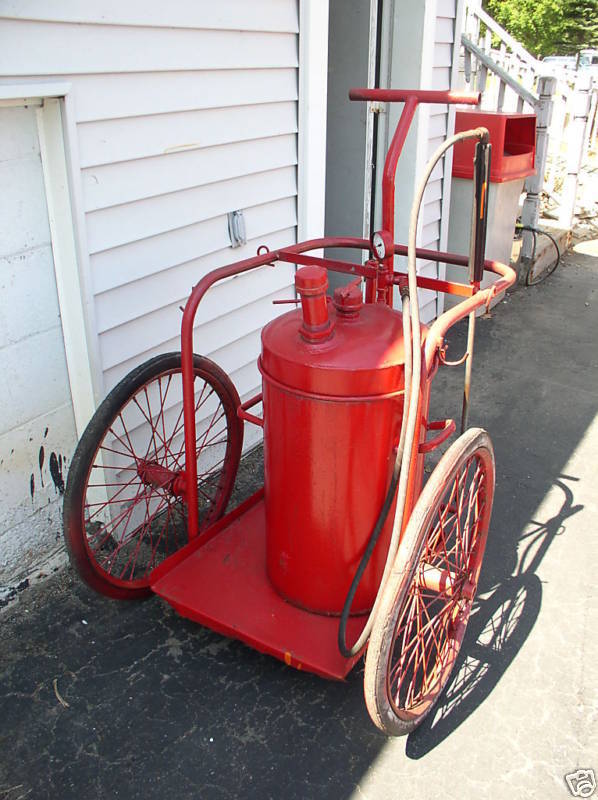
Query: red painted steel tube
point(284, 253)
point(446, 427)
point(434, 255)
point(328, 241)
point(419, 95)
point(350, 268)
point(345, 267)
point(388, 179)
point(440, 326)
point(446, 287)
point(197, 293)
point(243, 413)
point(411, 98)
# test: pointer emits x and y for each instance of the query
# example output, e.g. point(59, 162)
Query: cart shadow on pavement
point(501, 621)
point(129, 700)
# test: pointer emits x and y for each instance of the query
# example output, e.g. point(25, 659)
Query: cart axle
point(445, 582)
point(160, 477)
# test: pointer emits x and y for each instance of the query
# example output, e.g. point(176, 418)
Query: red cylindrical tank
point(333, 377)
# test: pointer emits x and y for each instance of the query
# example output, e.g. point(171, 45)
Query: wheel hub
point(161, 477)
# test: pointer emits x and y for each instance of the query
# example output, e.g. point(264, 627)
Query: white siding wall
point(184, 111)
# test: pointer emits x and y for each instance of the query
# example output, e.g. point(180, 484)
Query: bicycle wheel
point(124, 509)
point(427, 599)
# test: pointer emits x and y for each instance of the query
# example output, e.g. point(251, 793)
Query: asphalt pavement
point(100, 699)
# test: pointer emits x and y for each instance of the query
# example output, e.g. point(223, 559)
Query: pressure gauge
point(382, 244)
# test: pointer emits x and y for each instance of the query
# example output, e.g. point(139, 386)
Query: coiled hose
point(529, 280)
point(413, 353)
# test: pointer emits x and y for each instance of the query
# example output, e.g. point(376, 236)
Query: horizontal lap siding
point(257, 15)
point(116, 184)
point(68, 49)
point(185, 111)
point(136, 260)
point(111, 141)
point(118, 225)
point(112, 96)
point(126, 309)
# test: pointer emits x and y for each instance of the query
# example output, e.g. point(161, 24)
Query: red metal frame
point(411, 98)
point(219, 580)
point(255, 612)
point(242, 411)
point(474, 299)
point(232, 550)
point(379, 283)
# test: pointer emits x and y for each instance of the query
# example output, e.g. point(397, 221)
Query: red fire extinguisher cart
point(344, 551)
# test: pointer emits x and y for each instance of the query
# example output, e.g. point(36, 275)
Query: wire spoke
point(130, 523)
point(112, 500)
point(429, 626)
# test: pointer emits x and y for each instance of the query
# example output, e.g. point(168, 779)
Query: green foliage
point(548, 27)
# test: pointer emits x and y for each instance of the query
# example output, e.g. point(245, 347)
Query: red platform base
point(223, 585)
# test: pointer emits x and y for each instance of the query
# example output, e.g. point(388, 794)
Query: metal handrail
point(504, 76)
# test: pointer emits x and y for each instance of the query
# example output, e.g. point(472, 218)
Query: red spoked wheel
point(427, 599)
point(124, 507)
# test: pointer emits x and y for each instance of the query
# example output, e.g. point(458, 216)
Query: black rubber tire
point(475, 442)
point(80, 553)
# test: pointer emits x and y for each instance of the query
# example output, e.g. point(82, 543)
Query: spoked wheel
point(124, 511)
point(427, 599)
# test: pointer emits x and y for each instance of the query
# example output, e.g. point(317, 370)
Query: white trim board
point(24, 94)
point(311, 145)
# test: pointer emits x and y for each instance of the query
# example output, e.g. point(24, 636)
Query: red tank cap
point(311, 280)
point(311, 284)
point(348, 299)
